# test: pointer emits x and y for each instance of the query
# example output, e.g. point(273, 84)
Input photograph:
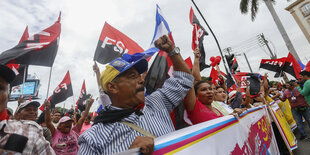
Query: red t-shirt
point(299, 99)
point(201, 113)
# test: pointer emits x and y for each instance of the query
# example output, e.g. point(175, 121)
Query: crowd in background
point(132, 119)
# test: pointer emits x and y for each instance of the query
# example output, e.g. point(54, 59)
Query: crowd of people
point(129, 118)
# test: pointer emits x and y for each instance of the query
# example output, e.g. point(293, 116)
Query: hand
point(197, 53)
point(146, 144)
point(164, 44)
point(238, 83)
point(238, 111)
point(47, 105)
point(20, 100)
point(266, 75)
point(96, 68)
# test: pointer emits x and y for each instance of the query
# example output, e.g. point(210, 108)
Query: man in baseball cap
point(28, 110)
point(119, 66)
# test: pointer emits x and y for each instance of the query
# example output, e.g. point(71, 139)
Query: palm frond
point(244, 5)
point(254, 9)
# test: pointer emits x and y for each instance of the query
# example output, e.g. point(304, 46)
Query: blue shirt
point(116, 137)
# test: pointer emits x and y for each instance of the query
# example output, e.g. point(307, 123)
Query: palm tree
point(244, 6)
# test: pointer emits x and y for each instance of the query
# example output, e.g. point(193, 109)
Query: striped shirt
point(116, 137)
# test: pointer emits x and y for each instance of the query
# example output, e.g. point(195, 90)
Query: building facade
point(300, 10)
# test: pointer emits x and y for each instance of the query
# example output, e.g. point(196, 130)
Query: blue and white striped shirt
point(116, 137)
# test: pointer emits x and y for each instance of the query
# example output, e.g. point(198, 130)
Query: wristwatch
point(175, 51)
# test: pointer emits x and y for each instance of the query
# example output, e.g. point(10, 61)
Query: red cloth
point(201, 113)
point(300, 100)
point(4, 115)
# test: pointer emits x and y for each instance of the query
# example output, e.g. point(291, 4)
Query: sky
point(82, 22)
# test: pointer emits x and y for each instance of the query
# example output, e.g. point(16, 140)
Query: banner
point(287, 112)
point(250, 134)
point(284, 128)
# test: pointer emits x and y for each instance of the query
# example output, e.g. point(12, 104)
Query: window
point(306, 9)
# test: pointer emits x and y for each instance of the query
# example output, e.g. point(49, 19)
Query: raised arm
point(48, 120)
point(79, 124)
point(97, 71)
point(190, 98)
point(196, 69)
point(165, 44)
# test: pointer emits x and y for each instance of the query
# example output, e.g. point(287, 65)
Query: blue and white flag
point(161, 28)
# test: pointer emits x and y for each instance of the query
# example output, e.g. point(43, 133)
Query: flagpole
point(217, 43)
point(24, 79)
point(49, 82)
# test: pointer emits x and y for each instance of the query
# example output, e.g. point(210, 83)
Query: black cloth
point(236, 103)
point(112, 116)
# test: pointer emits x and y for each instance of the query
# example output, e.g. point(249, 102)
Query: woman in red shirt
point(198, 100)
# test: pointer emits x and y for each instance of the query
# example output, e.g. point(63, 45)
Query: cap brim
point(35, 103)
point(140, 65)
point(7, 73)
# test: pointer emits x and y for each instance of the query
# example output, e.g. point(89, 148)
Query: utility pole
point(280, 27)
point(272, 56)
point(247, 61)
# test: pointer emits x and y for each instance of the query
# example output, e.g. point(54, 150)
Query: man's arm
point(165, 44)
point(305, 90)
point(174, 89)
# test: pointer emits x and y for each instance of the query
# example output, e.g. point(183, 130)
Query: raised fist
point(164, 44)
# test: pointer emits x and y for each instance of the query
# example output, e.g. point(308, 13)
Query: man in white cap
point(25, 137)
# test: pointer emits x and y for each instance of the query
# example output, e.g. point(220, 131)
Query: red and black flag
point(252, 78)
point(292, 66)
point(197, 41)
point(215, 78)
point(232, 63)
point(62, 91)
point(82, 98)
point(40, 49)
point(274, 65)
point(113, 44)
point(20, 70)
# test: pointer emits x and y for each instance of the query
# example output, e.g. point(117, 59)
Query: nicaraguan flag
point(161, 28)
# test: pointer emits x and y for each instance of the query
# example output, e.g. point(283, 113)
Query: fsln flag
point(215, 78)
point(19, 70)
point(62, 91)
point(113, 44)
point(82, 98)
point(292, 66)
point(274, 65)
point(243, 77)
point(39, 49)
point(197, 40)
point(162, 65)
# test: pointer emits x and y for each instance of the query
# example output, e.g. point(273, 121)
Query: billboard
point(30, 89)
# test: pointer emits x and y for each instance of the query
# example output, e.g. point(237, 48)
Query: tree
point(244, 7)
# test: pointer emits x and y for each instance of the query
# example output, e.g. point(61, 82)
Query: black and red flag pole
point(217, 43)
